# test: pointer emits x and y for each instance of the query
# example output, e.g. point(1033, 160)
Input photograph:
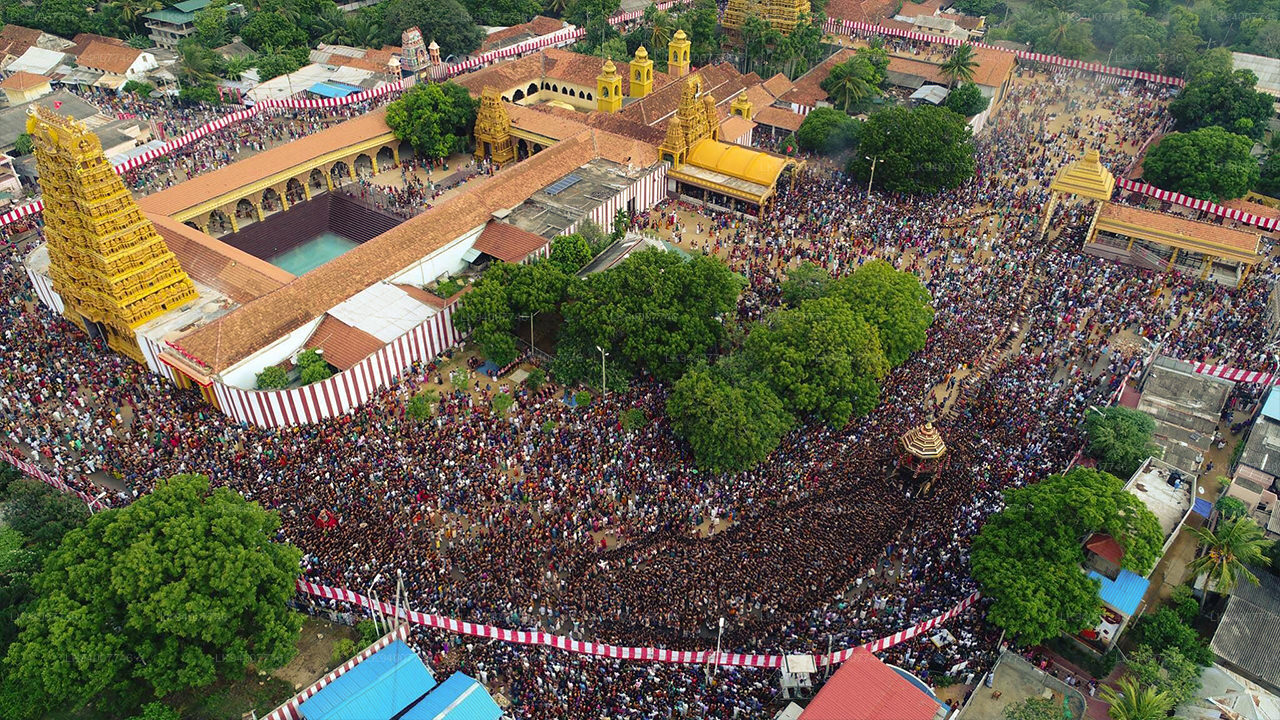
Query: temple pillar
point(373, 162)
point(1173, 258)
point(1208, 263)
point(1129, 247)
point(395, 154)
point(306, 188)
point(258, 209)
point(328, 179)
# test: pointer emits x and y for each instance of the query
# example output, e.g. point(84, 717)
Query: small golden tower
point(609, 88)
point(741, 107)
point(107, 262)
point(673, 148)
point(782, 15)
point(678, 55)
point(493, 129)
point(641, 74)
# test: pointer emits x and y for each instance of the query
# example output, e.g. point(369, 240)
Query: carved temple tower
point(695, 119)
point(493, 129)
point(414, 50)
point(107, 262)
point(783, 15)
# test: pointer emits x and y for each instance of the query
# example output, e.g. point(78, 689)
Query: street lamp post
point(369, 596)
point(603, 387)
point(715, 665)
point(873, 172)
point(531, 347)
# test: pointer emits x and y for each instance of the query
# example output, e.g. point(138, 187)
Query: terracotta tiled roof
point(759, 97)
point(1106, 547)
point(23, 80)
point(968, 22)
point(864, 688)
point(911, 9)
point(860, 10)
point(15, 39)
point(232, 272)
point(994, 66)
point(551, 122)
point(508, 242)
point(1175, 225)
point(228, 178)
point(426, 298)
point(723, 81)
point(1249, 206)
point(777, 85)
point(378, 61)
point(734, 127)
point(343, 345)
point(807, 89)
point(615, 123)
point(552, 64)
point(82, 40)
point(536, 27)
point(779, 118)
point(928, 72)
point(114, 59)
point(239, 333)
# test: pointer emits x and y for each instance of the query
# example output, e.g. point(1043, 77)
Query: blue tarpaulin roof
point(1271, 408)
point(458, 698)
point(1202, 507)
point(378, 688)
point(333, 89)
point(1124, 593)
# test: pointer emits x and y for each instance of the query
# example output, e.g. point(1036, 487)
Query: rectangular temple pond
point(313, 253)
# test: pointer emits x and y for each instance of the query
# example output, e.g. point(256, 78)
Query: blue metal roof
point(1202, 507)
point(458, 698)
point(1271, 408)
point(378, 688)
point(1124, 593)
point(331, 90)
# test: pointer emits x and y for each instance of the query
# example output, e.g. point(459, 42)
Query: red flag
point(57, 104)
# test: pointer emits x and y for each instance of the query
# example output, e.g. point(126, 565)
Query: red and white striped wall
point(1265, 223)
point(648, 191)
point(344, 391)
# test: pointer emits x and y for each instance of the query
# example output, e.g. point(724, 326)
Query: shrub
point(460, 380)
point(273, 378)
point(310, 357)
point(1183, 603)
point(583, 398)
point(1231, 508)
point(501, 403)
point(315, 373)
point(342, 651)
point(141, 89)
point(549, 426)
point(536, 379)
point(634, 419)
point(1164, 630)
point(447, 288)
point(368, 632)
point(419, 407)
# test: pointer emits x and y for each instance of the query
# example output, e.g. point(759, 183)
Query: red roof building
point(1105, 547)
point(864, 688)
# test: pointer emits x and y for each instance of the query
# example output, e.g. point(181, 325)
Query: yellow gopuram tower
point(493, 129)
point(678, 54)
point(107, 262)
point(641, 73)
point(782, 15)
point(609, 88)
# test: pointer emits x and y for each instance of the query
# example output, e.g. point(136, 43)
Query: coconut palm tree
point(1136, 703)
point(851, 82)
point(1229, 549)
point(196, 64)
point(131, 11)
point(555, 8)
point(660, 27)
point(960, 65)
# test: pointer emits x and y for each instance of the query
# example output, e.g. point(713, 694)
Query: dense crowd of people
point(556, 517)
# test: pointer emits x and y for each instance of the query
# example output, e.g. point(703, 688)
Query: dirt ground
point(315, 650)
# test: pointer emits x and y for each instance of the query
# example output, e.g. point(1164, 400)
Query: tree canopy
point(896, 304)
point(857, 79)
point(728, 426)
point(503, 294)
point(445, 21)
point(1228, 100)
point(923, 150)
point(967, 100)
point(655, 311)
point(827, 131)
point(1120, 439)
point(167, 594)
point(1209, 163)
point(806, 282)
point(436, 118)
point(1027, 558)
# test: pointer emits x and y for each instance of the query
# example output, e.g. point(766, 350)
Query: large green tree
point(1027, 558)
point(821, 358)
point(1209, 163)
point(182, 586)
point(445, 21)
point(960, 65)
point(1168, 672)
point(924, 149)
point(436, 118)
point(729, 427)
point(503, 12)
point(806, 282)
point(503, 295)
point(967, 100)
point(827, 131)
point(655, 310)
point(1229, 100)
point(1120, 439)
point(895, 302)
point(570, 253)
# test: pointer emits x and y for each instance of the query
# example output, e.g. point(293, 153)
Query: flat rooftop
point(557, 206)
point(1187, 408)
point(1168, 503)
point(1014, 681)
point(1262, 449)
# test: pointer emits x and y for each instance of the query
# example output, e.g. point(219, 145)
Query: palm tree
point(330, 24)
point(1136, 703)
point(555, 8)
point(359, 32)
point(196, 64)
point(960, 65)
point(659, 29)
point(851, 82)
point(1228, 550)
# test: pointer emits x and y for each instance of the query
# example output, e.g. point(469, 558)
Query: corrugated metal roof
point(1271, 408)
point(458, 698)
point(378, 688)
point(864, 688)
point(1124, 593)
point(1249, 632)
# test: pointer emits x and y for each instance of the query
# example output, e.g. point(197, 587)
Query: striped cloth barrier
point(1237, 375)
point(1177, 198)
point(642, 654)
point(36, 472)
point(850, 27)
